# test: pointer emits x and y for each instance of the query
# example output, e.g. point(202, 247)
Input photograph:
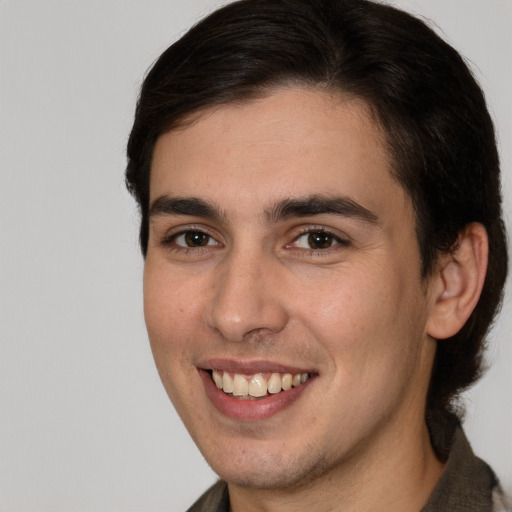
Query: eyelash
point(338, 241)
point(169, 241)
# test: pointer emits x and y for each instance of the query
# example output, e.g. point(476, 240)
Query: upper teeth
point(257, 385)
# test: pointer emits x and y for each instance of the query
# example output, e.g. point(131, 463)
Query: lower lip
point(250, 410)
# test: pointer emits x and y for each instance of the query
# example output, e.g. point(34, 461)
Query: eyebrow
point(319, 205)
point(298, 207)
point(191, 206)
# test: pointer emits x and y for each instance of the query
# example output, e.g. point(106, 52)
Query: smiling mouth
point(258, 385)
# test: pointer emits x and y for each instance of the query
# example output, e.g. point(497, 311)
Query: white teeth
point(287, 381)
point(240, 385)
point(257, 385)
point(274, 383)
point(227, 383)
point(217, 378)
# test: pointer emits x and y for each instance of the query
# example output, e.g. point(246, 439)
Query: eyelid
point(211, 242)
point(170, 236)
point(340, 237)
point(167, 240)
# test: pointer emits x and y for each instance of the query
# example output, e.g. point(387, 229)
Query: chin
point(265, 480)
point(266, 471)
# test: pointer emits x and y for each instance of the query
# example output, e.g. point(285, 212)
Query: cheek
point(348, 302)
point(171, 311)
point(366, 317)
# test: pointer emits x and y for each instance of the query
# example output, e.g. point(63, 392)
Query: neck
point(396, 473)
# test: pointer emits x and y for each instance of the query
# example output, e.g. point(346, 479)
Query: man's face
point(281, 246)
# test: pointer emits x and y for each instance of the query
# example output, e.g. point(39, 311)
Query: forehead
point(292, 142)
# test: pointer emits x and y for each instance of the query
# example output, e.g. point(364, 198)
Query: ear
point(457, 282)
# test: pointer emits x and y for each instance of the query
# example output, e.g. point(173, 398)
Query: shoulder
point(467, 484)
point(500, 502)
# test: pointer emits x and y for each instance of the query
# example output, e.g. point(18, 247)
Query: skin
point(357, 313)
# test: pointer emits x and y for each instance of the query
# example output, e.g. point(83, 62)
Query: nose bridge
point(245, 298)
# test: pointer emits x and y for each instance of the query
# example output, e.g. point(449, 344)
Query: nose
point(247, 298)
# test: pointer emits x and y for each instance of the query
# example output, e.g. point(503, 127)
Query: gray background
point(84, 422)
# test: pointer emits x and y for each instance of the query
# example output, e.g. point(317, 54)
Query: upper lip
point(249, 367)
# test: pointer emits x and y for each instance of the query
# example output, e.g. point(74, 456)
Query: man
point(319, 188)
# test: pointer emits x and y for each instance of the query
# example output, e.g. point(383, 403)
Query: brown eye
point(193, 239)
point(317, 240)
point(196, 239)
point(320, 240)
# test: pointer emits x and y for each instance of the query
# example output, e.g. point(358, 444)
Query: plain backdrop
point(84, 422)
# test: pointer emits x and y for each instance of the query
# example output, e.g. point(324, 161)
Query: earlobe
point(457, 283)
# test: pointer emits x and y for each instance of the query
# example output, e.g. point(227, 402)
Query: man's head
point(420, 92)
point(386, 75)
